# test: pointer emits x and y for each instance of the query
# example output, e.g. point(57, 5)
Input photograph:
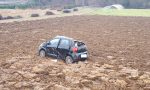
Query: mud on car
point(64, 48)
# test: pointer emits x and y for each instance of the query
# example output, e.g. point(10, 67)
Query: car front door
point(63, 48)
point(52, 47)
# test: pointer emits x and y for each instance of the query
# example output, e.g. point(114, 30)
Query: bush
point(17, 17)
point(24, 6)
point(34, 15)
point(7, 6)
point(75, 9)
point(1, 17)
point(66, 11)
point(49, 13)
point(9, 17)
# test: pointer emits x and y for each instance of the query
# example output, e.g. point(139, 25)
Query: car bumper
point(80, 56)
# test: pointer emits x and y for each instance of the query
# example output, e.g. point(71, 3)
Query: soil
point(115, 44)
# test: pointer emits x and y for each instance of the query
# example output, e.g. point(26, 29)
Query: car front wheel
point(42, 53)
point(69, 60)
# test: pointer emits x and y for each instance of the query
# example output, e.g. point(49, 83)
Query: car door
point(52, 47)
point(63, 48)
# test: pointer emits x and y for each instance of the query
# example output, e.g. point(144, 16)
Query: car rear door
point(52, 47)
point(63, 48)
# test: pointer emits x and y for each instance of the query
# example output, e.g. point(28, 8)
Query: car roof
point(63, 37)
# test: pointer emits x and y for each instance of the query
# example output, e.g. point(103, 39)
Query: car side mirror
point(48, 43)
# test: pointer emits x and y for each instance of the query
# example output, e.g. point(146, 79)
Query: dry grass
point(24, 13)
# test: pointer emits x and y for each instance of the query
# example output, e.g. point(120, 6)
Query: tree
point(101, 3)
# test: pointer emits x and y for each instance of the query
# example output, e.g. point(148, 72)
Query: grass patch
point(115, 12)
point(20, 6)
point(7, 6)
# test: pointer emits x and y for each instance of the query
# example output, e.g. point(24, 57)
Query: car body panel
point(64, 48)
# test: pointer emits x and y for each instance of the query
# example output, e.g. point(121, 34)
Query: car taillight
point(75, 49)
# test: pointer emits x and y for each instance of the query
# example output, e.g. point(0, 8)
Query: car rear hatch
point(80, 46)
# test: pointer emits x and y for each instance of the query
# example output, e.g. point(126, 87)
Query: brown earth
point(118, 47)
point(24, 13)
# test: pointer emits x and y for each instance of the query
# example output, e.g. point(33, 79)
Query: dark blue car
point(64, 48)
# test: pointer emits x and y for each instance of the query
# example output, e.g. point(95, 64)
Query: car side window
point(64, 44)
point(54, 42)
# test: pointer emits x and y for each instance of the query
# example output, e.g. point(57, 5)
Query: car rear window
point(78, 44)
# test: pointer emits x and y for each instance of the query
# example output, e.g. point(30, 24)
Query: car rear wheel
point(42, 53)
point(69, 60)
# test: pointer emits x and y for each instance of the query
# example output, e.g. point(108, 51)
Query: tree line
point(138, 4)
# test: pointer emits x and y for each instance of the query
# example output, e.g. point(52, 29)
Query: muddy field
point(118, 47)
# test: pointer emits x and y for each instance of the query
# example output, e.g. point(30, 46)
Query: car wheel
point(42, 53)
point(84, 59)
point(69, 60)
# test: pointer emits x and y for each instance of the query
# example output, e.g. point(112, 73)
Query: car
point(65, 48)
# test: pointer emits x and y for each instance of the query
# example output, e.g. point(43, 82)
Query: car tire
point(69, 60)
point(42, 53)
point(84, 59)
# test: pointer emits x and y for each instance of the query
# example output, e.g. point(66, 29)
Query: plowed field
point(113, 42)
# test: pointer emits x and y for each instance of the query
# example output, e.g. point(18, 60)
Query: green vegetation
point(115, 12)
point(21, 6)
point(7, 7)
point(67, 4)
point(138, 4)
